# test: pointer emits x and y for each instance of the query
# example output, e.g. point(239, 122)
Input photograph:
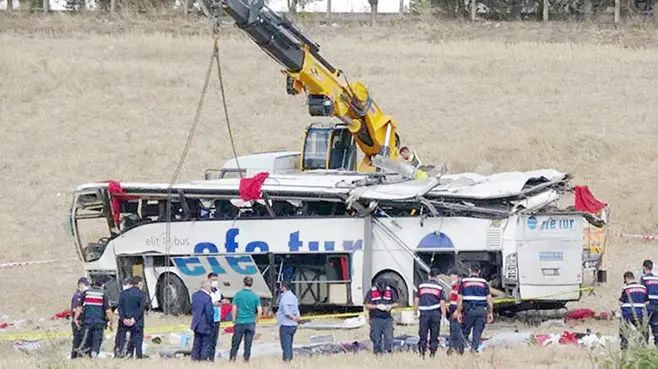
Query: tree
point(373, 9)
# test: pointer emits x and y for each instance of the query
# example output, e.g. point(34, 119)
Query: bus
point(333, 235)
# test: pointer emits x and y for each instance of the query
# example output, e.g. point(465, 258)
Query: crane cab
point(328, 146)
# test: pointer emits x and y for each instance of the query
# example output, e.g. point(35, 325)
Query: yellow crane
point(329, 93)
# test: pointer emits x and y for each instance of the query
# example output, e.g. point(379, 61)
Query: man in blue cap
point(76, 302)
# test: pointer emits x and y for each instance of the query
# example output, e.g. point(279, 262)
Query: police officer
point(633, 299)
point(76, 303)
point(379, 302)
point(94, 315)
point(456, 336)
point(430, 302)
point(474, 306)
point(650, 281)
point(131, 308)
point(122, 330)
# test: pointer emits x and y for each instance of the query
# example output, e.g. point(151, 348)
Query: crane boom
point(328, 92)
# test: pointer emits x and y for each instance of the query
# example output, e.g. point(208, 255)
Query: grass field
point(80, 104)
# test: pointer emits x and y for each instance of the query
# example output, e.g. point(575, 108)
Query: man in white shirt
point(216, 296)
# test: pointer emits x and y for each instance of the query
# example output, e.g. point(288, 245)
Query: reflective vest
point(633, 299)
point(93, 306)
point(430, 294)
point(385, 298)
point(454, 293)
point(381, 298)
point(650, 281)
point(474, 290)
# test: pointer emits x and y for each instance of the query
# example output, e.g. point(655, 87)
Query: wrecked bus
point(333, 234)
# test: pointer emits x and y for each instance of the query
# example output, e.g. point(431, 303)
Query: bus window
point(232, 173)
point(90, 225)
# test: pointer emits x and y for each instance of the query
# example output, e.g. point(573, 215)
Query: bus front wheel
point(173, 296)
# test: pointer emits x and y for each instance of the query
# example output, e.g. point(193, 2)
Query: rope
point(221, 87)
point(214, 57)
point(181, 160)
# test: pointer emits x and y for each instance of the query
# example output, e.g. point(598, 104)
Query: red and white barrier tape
point(24, 263)
point(646, 237)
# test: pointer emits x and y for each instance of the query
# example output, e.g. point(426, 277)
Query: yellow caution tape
point(180, 328)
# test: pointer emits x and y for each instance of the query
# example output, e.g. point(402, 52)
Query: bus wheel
point(173, 296)
point(397, 283)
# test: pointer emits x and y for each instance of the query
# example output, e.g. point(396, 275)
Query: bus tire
point(173, 296)
point(398, 284)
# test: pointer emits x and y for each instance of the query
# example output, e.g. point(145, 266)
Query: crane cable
point(213, 58)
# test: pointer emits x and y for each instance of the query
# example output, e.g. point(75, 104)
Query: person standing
point(76, 303)
point(287, 317)
point(247, 310)
point(94, 315)
point(456, 336)
point(474, 306)
point(379, 301)
point(202, 322)
point(131, 307)
point(430, 307)
point(633, 299)
point(122, 331)
point(216, 297)
point(650, 281)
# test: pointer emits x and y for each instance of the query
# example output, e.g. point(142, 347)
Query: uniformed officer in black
point(430, 307)
point(633, 301)
point(94, 315)
point(131, 308)
point(379, 302)
point(474, 306)
point(650, 281)
point(76, 302)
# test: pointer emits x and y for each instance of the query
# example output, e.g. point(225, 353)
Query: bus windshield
point(90, 224)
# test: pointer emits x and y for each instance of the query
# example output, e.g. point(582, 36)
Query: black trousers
point(240, 331)
point(652, 310)
point(475, 318)
point(201, 346)
point(93, 338)
point(77, 344)
point(429, 322)
point(626, 322)
point(213, 339)
point(381, 335)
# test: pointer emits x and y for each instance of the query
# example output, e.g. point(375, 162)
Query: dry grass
point(79, 106)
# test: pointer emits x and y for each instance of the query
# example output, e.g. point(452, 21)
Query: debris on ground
point(579, 314)
point(322, 339)
point(349, 323)
point(554, 323)
point(65, 314)
point(506, 339)
point(26, 346)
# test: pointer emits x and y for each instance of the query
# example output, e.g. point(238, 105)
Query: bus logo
point(532, 223)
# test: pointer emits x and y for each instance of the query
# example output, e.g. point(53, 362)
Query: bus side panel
point(230, 269)
point(388, 255)
point(550, 257)
point(357, 290)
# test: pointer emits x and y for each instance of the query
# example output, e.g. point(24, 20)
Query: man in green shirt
point(247, 310)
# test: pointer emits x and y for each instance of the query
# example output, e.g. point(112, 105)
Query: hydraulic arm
point(328, 92)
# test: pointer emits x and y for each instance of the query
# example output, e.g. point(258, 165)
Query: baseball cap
point(83, 280)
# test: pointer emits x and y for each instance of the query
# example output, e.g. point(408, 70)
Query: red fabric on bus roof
point(585, 201)
point(250, 187)
point(116, 195)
